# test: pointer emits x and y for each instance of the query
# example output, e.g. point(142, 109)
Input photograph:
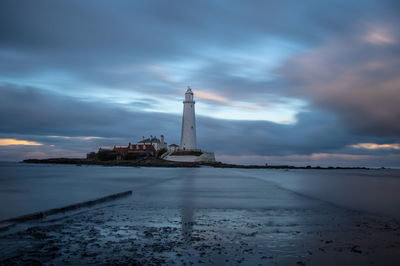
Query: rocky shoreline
point(151, 162)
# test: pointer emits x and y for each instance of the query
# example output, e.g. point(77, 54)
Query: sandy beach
point(199, 216)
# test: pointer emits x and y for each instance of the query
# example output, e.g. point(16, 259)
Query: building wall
point(172, 148)
point(205, 157)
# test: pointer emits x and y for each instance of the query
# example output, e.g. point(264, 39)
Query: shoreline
point(164, 163)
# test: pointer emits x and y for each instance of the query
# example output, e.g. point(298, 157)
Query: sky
point(278, 82)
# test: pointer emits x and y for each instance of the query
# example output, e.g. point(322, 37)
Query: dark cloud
point(28, 110)
point(76, 35)
point(313, 133)
point(356, 76)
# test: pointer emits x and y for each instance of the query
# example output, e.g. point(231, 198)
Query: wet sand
point(222, 219)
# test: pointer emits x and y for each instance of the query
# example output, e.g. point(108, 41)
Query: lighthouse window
point(191, 127)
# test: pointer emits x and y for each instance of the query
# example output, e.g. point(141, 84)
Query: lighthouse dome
point(189, 95)
point(189, 90)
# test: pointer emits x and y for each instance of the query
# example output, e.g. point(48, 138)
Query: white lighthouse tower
point(188, 135)
point(188, 151)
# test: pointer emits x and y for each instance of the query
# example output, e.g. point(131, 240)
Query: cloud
point(30, 110)
point(77, 137)
point(380, 35)
point(211, 96)
point(358, 82)
point(69, 48)
point(375, 146)
point(9, 142)
point(116, 44)
point(379, 38)
point(57, 118)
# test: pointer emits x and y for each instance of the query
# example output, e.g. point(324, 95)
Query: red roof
point(140, 147)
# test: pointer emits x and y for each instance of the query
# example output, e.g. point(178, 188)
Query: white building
point(173, 148)
point(188, 135)
point(158, 144)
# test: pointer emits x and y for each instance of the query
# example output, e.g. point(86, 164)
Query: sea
point(29, 188)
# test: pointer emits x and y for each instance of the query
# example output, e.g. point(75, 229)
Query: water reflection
point(187, 201)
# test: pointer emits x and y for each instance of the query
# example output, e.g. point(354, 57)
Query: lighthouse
point(188, 135)
point(188, 151)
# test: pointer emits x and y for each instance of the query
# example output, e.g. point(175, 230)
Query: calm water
point(27, 188)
